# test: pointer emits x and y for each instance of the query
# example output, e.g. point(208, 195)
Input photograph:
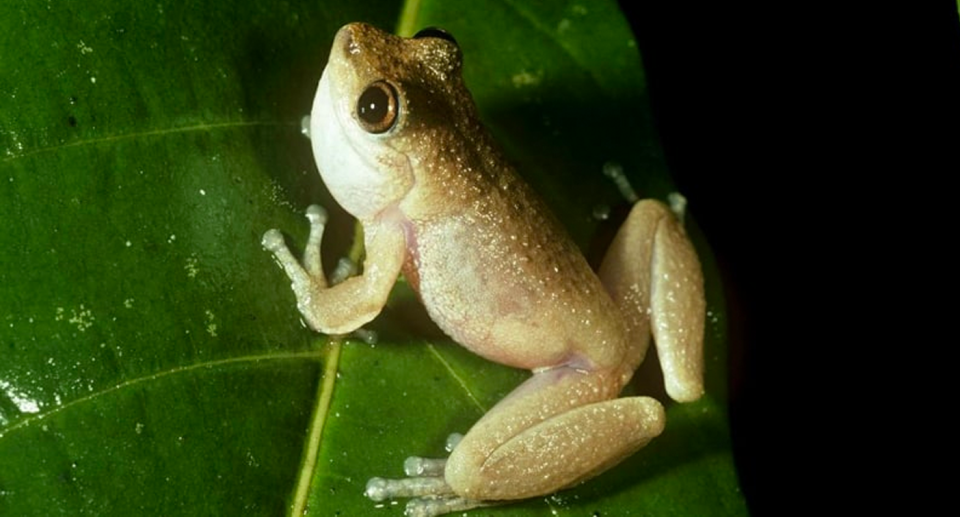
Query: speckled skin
point(496, 272)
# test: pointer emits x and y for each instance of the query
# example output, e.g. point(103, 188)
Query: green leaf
point(151, 357)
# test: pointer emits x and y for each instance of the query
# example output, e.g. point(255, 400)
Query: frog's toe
point(344, 270)
point(452, 441)
point(678, 205)
point(272, 240)
point(380, 489)
point(433, 507)
point(417, 466)
point(305, 126)
point(311, 253)
point(317, 214)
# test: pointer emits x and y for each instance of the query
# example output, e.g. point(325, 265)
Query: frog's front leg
point(350, 304)
point(559, 428)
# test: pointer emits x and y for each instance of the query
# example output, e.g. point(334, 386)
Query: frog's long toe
point(434, 507)
point(311, 253)
point(316, 214)
point(417, 466)
point(272, 240)
point(380, 489)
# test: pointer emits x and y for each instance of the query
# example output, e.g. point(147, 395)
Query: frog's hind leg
point(559, 428)
point(653, 275)
point(556, 430)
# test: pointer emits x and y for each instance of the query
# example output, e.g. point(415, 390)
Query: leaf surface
point(151, 357)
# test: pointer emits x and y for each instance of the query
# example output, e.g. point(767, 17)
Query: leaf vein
point(141, 134)
point(36, 417)
point(457, 377)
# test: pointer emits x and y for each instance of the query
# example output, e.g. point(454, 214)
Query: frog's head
point(381, 111)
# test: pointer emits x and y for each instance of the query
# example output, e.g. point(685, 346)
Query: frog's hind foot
point(426, 485)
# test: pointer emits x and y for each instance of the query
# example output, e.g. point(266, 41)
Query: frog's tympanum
point(399, 145)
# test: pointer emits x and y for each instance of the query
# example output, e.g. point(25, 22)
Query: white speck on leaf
point(20, 399)
point(191, 267)
point(211, 326)
point(82, 318)
point(526, 78)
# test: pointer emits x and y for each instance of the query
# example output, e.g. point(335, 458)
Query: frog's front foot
point(306, 276)
point(343, 303)
point(310, 274)
point(425, 483)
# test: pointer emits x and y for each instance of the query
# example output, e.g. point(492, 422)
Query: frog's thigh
point(538, 441)
point(652, 273)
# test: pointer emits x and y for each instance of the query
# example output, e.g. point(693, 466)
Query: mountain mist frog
point(399, 144)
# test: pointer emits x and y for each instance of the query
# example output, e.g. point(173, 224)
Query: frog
point(399, 144)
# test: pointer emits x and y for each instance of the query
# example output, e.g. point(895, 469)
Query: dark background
point(813, 144)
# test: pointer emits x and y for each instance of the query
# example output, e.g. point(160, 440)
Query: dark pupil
point(373, 105)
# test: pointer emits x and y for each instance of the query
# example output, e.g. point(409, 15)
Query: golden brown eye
point(378, 107)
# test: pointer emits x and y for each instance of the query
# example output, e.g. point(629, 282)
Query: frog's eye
point(435, 32)
point(377, 107)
